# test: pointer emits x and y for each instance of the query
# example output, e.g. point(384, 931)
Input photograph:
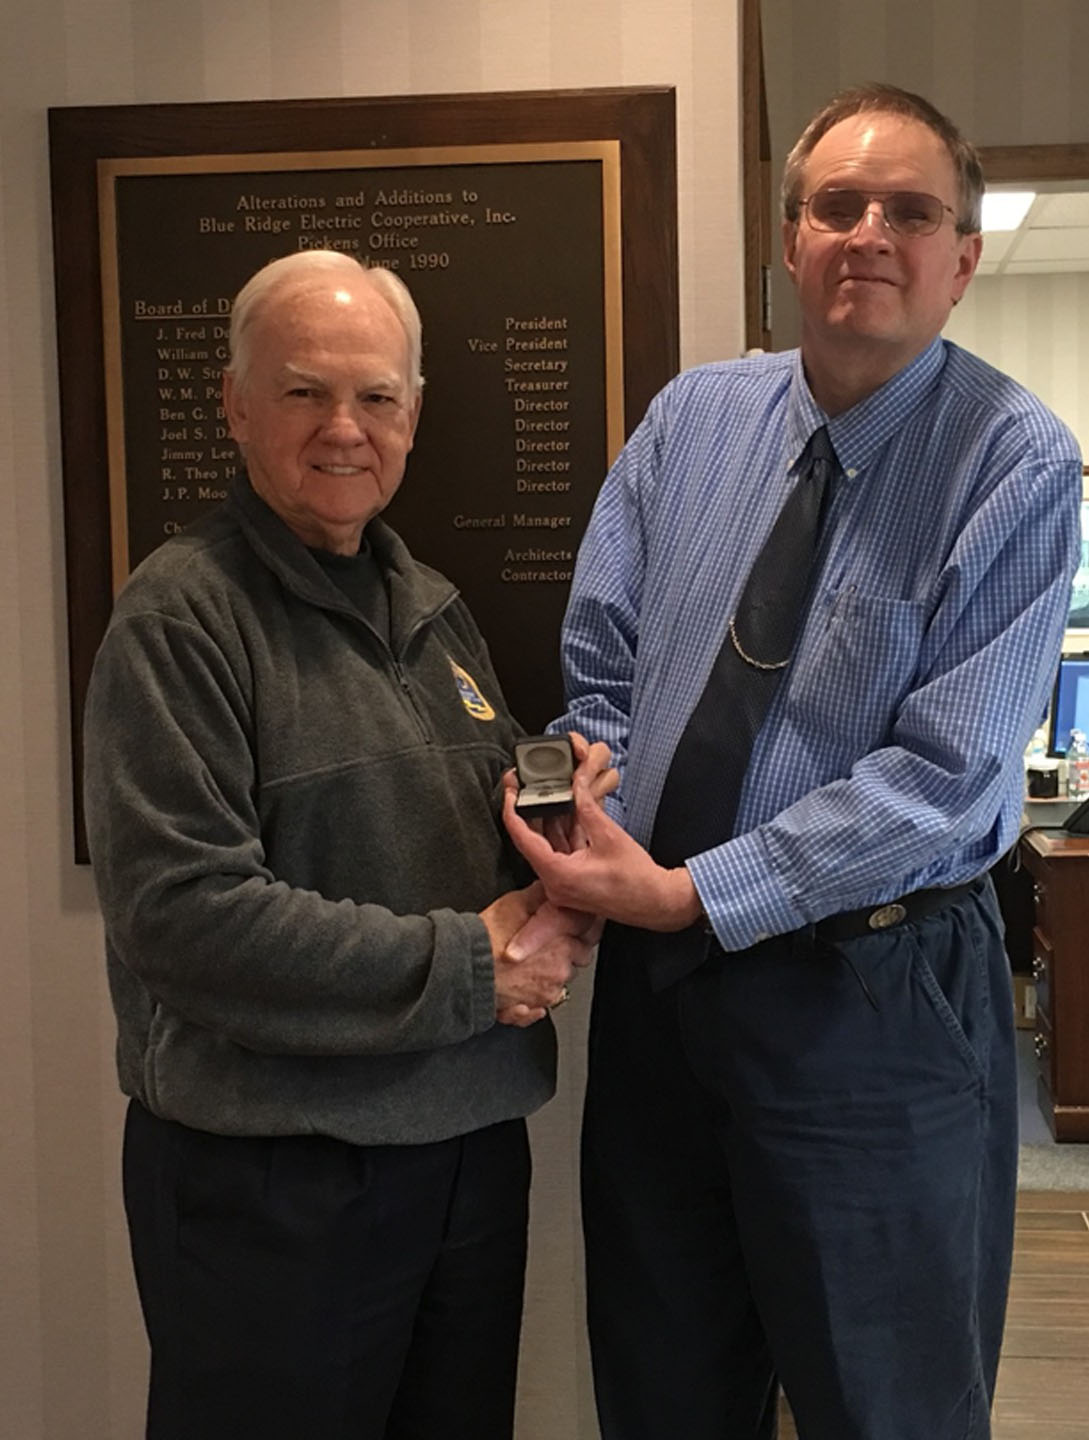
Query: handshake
point(536, 947)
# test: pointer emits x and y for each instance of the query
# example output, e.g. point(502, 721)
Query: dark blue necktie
point(699, 800)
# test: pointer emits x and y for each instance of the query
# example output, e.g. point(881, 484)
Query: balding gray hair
point(306, 264)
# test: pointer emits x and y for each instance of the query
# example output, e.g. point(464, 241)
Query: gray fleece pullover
point(293, 824)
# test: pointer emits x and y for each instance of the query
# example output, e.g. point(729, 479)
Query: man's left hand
point(606, 872)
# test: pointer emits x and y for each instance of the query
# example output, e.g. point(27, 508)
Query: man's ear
point(234, 407)
point(971, 248)
point(414, 417)
point(790, 244)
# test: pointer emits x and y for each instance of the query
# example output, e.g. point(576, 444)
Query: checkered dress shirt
point(891, 758)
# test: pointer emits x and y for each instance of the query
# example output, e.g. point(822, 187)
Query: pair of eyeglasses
point(908, 212)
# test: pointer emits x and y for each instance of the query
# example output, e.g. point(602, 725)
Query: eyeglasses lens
point(906, 211)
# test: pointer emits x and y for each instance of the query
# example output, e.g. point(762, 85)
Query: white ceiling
point(1053, 236)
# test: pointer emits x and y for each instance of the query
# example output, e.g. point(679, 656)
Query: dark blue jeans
point(786, 1178)
point(300, 1287)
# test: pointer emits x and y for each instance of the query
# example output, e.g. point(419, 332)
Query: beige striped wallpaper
point(1035, 328)
point(71, 1347)
point(72, 1355)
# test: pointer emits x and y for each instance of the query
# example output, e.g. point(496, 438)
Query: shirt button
point(761, 937)
point(850, 474)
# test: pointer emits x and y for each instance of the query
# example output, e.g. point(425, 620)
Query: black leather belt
point(852, 924)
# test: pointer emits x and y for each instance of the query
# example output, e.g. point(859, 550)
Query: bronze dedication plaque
point(512, 253)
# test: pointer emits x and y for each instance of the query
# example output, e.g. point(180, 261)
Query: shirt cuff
point(740, 894)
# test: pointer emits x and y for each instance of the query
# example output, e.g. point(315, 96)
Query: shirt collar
point(859, 433)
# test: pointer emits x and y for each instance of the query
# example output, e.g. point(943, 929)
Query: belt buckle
point(886, 916)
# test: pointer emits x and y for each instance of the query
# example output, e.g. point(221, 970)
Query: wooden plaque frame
point(640, 119)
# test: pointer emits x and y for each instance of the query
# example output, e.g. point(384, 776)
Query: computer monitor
point(1069, 703)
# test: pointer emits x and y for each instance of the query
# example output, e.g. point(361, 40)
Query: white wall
point(1035, 328)
point(71, 1347)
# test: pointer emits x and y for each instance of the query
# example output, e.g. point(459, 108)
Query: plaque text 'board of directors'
point(537, 234)
point(512, 253)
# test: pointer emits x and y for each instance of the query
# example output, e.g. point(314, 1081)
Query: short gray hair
point(255, 294)
point(890, 100)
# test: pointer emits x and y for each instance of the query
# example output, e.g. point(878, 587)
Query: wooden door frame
point(755, 181)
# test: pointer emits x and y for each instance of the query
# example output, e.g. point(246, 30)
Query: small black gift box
point(545, 764)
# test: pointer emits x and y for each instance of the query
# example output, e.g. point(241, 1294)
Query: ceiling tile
point(1051, 210)
point(1067, 244)
point(1045, 267)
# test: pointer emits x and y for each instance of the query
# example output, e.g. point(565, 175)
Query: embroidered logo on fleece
point(470, 694)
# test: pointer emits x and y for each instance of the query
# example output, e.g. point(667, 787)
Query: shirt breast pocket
point(853, 673)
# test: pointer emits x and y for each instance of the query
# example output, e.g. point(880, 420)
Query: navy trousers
point(300, 1286)
point(799, 1166)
